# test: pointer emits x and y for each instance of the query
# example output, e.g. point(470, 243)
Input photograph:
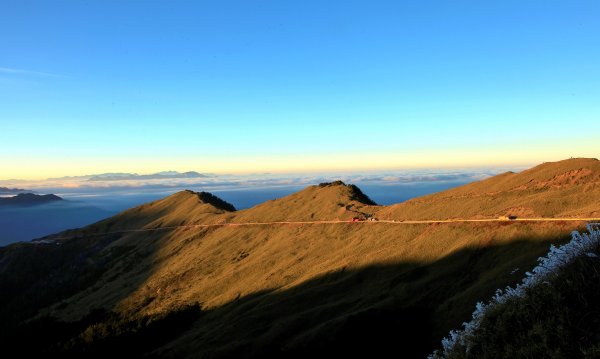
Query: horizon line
point(233, 172)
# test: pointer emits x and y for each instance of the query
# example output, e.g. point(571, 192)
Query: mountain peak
point(29, 199)
point(153, 176)
point(561, 174)
point(6, 190)
point(566, 164)
point(325, 201)
point(193, 201)
point(180, 208)
point(332, 184)
point(353, 192)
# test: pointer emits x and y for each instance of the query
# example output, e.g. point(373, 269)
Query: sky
point(278, 86)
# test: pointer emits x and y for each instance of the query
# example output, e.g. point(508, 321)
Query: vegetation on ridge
point(99, 334)
point(207, 197)
point(554, 313)
point(356, 193)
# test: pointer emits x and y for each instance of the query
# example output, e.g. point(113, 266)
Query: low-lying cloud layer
point(236, 182)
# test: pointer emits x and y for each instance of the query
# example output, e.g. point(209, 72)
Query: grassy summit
point(569, 188)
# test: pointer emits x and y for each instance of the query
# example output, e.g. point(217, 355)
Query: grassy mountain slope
point(569, 188)
point(327, 201)
point(181, 208)
point(285, 289)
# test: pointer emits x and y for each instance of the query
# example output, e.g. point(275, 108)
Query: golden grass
point(330, 272)
point(569, 188)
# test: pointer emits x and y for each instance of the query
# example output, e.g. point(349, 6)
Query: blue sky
point(244, 86)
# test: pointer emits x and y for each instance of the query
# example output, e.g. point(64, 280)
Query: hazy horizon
point(82, 186)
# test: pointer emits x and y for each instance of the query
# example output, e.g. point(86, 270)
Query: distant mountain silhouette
point(6, 190)
point(28, 199)
point(135, 176)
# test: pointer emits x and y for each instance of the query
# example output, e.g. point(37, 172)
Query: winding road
point(381, 221)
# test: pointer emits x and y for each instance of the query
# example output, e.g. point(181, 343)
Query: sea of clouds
point(385, 187)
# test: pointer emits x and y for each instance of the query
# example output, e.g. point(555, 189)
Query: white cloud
point(238, 182)
point(13, 71)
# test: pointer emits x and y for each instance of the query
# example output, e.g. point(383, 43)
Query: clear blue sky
point(96, 86)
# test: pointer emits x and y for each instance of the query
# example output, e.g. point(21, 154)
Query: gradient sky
point(242, 86)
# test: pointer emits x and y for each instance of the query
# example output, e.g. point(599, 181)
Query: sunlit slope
point(181, 208)
point(207, 262)
point(327, 201)
point(569, 188)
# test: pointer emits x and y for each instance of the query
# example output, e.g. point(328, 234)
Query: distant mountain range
point(123, 176)
point(6, 190)
point(135, 176)
point(28, 199)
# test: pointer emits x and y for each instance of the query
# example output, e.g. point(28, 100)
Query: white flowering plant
point(581, 245)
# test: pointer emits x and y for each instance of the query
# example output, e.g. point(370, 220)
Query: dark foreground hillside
point(554, 314)
point(367, 312)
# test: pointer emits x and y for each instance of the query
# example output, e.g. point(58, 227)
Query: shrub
point(554, 312)
point(100, 334)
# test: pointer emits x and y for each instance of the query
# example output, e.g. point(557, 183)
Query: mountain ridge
point(326, 201)
point(135, 176)
point(289, 289)
point(6, 190)
point(568, 188)
point(28, 199)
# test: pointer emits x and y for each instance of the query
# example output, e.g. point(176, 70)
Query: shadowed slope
point(400, 307)
point(370, 311)
point(40, 273)
point(552, 313)
point(569, 188)
point(215, 266)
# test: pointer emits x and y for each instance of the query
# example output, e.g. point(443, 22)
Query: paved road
point(398, 222)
